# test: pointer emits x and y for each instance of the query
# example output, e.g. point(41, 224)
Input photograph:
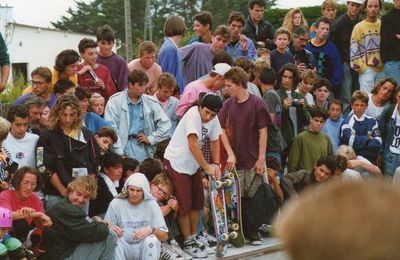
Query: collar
point(129, 101)
point(395, 112)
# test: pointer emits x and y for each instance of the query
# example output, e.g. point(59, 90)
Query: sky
point(42, 12)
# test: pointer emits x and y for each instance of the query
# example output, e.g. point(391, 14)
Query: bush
point(14, 91)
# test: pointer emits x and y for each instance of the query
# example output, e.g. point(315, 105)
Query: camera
point(296, 103)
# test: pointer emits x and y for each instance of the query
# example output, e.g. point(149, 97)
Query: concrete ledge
point(268, 246)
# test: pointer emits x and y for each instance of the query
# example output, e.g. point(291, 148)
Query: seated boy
point(310, 145)
point(273, 167)
point(105, 138)
point(322, 90)
point(96, 104)
point(334, 122)
point(294, 182)
point(308, 78)
point(342, 170)
point(162, 188)
point(360, 131)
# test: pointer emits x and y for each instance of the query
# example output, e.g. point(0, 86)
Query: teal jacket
point(303, 117)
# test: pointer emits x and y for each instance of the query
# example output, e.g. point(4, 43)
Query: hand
point(301, 101)
point(205, 211)
point(230, 162)
point(3, 156)
point(46, 220)
point(259, 167)
point(173, 204)
point(3, 86)
point(214, 171)
point(64, 193)
point(398, 36)
point(301, 67)
point(271, 176)
point(142, 233)
point(243, 42)
point(119, 231)
point(101, 84)
point(287, 102)
point(84, 69)
point(26, 212)
point(352, 163)
point(379, 160)
point(143, 139)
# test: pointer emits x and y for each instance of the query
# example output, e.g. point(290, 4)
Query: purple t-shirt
point(118, 69)
point(197, 58)
point(241, 122)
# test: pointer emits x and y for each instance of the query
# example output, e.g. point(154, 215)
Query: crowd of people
point(107, 159)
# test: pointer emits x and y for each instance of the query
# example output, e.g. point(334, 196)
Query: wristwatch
point(153, 230)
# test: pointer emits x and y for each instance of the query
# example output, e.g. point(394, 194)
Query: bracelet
point(218, 164)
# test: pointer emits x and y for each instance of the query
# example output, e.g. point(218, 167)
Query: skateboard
point(233, 209)
point(218, 209)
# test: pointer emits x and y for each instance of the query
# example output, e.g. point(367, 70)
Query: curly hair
point(288, 20)
point(62, 103)
point(86, 184)
point(20, 173)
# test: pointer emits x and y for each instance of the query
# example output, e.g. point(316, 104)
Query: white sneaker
point(179, 251)
point(212, 241)
point(192, 248)
point(203, 244)
point(167, 253)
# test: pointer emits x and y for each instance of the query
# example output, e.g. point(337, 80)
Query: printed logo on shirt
point(204, 135)
point(396, 139)
point(20, 155)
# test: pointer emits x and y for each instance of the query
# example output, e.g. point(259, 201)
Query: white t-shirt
point(131, 217)
point(178, 152)
point(22, 150)
point(372, 109)
point(309, 98)
point(395, 145)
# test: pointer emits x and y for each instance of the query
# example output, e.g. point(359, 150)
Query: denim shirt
point(136, 116)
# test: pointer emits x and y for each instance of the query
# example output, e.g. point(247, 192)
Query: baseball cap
point(356, 1)
point(210, 101)
point(221, 68)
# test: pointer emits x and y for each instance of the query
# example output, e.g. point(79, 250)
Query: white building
point(30, 46)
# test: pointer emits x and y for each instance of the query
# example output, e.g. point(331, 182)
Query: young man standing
point(390, 42)
point(202, 27)
point(146, 63)
point(91, 75)
point(245, 115)
point(183, 161)
point(310, 145)
point(239, 45)
point(326, 56)
point(365, 47)
point(341, 35)
point(41, 84)
point(256, 28)
point(115, 64)
point(138, 119)
point(19, 143)
point(197, 57)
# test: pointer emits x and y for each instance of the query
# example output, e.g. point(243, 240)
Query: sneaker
point(203, 244)
point(260, 236)
point(254, 239)
point(212, 241)
point(167, 253)
point(192, 248)
point(179, 251)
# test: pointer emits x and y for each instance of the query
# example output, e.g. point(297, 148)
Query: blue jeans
point(391, 162)
point(349, 85)
point(392, 70)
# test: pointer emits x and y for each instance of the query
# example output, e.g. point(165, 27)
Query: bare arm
point(262, 147)
point(5, 73)
point(215, 151)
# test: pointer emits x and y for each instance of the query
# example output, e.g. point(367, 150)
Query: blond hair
point(62, 103)
point(85, 184)
point(346, 151)
point(288, 20)
point(4, 128)
point(163, 179)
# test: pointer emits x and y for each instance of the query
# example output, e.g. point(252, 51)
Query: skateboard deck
point(234, 210)
point(218, 209)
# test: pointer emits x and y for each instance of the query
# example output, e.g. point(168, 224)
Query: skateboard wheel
point(218, 184)
point(235, 226)
point(225, 237)
point(233, 235)
point(230, 175)
point(228, 182)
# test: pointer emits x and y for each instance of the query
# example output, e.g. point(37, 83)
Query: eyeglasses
point(38, 83)
point(29, 184)
point(163, 192)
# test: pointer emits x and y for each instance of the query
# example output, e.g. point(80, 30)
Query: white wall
point(39, 46)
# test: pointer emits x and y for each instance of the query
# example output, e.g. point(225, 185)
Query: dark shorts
point(188, 189)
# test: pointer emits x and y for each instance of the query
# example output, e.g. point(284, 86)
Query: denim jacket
point(156, 123)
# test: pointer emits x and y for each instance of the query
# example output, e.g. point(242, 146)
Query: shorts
point(188, 189)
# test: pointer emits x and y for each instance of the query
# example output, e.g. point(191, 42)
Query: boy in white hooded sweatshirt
point(137, 213)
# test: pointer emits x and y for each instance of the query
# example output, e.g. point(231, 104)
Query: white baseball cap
point(356, 1)
point(221, 68)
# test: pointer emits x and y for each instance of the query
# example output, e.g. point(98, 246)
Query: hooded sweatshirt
point(131, 217)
